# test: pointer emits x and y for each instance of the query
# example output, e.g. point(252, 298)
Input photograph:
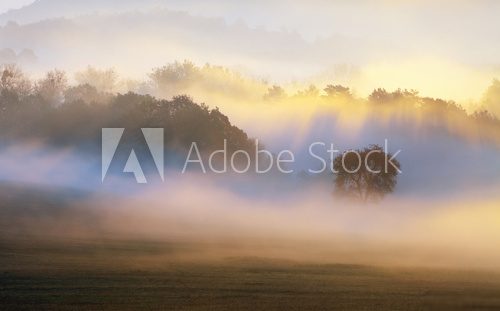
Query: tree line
point(55, 113)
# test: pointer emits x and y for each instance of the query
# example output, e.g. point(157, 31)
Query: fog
point(306, 224)
point(275, 75)
point(271, 41)
point(444, 212)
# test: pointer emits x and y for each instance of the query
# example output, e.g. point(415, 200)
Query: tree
point(311, 92)
point(13, 80)
point(86, 93)
point(102, 80)
point(275, 92)
point(491, 99)
point(14, 89)
point(51, 88)
point(365, 174)
point(337, 91)
point(381, 96)
point(484, 117)
point(175, 78)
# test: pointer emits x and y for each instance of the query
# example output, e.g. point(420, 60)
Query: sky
point(442, 48)
point(6, 5)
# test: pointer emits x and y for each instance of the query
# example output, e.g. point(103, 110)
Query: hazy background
point(446, 48)
point(13, 4)
point(445, 208)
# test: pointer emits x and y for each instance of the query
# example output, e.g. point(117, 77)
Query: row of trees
point(49, 110)
point(488, 111)
point(186, 78)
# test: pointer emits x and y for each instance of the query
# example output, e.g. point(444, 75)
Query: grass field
point(151, 276)
point(45, 266)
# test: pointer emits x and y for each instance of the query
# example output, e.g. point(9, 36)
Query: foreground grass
point(38, 272)
point(151, 276)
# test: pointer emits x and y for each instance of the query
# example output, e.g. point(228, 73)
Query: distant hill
point(162, 31)
point(48, 9)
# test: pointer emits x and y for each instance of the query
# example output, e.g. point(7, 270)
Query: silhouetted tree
point(311, 92)
point(275, 92)
point(381, 96)
point(484, 116)
point(365, 174)
point(337, 91)
point(491, 99)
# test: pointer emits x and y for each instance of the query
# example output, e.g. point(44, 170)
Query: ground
point(132, 275)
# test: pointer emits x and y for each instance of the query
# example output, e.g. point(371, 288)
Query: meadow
point(131, 275)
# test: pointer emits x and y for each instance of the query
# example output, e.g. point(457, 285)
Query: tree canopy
point(51, 111)
point(365, 174)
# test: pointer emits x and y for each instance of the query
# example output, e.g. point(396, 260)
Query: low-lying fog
point(444, 211)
